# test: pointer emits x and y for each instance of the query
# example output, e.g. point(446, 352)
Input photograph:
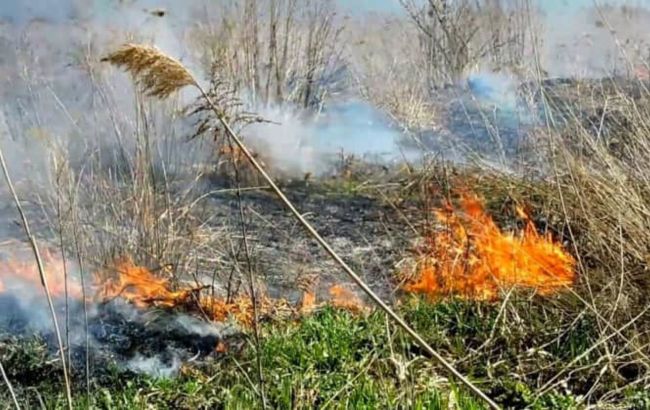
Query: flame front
point(19, 272)
point(471, 257)
point(145, 288)
point(343, 298)
point(141, 287)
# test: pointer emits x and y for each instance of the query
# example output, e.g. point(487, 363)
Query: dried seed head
point(158, 74)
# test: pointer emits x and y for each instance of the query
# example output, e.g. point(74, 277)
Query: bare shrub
point(276, 50)
point(458, 35)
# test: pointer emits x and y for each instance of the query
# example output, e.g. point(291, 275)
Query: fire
point(235, 155)
point(19, 271)
point(343, 298)
point(472, 258)
point(141, 287)
point(308, 302)
point(145, 288)
point(340, 297)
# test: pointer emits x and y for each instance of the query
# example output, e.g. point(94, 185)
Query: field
point(284, 204)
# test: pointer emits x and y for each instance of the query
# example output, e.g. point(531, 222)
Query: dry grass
point(275, 51)
point(594, 195)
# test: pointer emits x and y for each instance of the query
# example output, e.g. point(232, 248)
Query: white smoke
point(297, 142)
point(155, 366)
point(286, 141)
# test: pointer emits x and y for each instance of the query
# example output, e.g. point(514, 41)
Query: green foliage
point(456, 323)
point(337, 360)
point(639, 400)
point(332, 359)
point(28, 360)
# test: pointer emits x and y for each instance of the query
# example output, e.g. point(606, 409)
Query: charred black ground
point(139, 340)
point(366, 231)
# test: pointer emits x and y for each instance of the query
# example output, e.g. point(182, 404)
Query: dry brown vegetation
point(582, 172)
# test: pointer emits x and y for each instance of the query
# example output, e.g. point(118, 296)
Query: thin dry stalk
point(154, 82)
point(251, 281)
point(550, 383)
point(9, 386)
point(59, 217)
point(80, 262)
point(43, 277)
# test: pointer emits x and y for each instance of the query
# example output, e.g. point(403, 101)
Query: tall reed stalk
point(43, 277)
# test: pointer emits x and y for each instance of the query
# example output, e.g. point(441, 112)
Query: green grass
point(330, 360)
point(337, 360)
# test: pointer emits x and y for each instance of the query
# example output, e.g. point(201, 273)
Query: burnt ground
point(148, 340)
point(367, 233)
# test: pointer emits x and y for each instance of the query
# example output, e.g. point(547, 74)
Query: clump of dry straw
point(158, 74)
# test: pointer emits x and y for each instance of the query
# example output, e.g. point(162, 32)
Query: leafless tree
point(456, 35)
point(276, 50)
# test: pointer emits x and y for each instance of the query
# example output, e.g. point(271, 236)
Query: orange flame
point(343, 298)
point(308, 302)
point(141, 287)
point(237, 156)
point(20, 271)
point(472, 258)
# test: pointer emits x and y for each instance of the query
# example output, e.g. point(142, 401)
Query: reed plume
point(160, 75)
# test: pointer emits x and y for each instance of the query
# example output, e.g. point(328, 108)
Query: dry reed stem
point(603, 339)
point(160, 76)
point(9, 386)
point(253, 292)
point(43, 277)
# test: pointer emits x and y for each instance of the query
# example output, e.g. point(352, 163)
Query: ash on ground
point(150, 340)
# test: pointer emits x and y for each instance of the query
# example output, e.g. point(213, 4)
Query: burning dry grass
point(466, 255)
point(155, 83)
point(135, 284)
point(469, 256)
point(146, 289)
point(18, 272)
point(588, 256)
point(141, 287)
point(344, 298)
